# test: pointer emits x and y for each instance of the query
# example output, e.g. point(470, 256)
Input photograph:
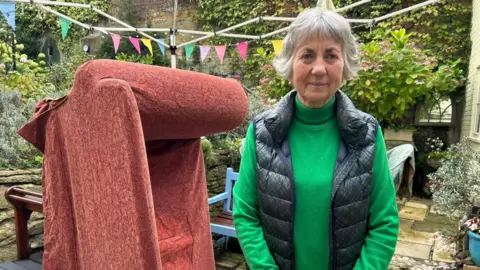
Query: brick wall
point(159, 13)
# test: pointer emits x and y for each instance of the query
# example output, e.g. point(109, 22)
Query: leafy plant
point(442, 28)
point(61, 75)
point(270, 85)
point(207, 149)
point(15, 152)
point(455, 186)
point(395, 74)
point(136, 58)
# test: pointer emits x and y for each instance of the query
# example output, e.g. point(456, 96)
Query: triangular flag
point(325, 4)
point(136, 43)
point(204, 51)
point(188, 50)
point(116, 41)
point(277, 46)
point(162, 48)
point(242, 48)
point(148, 43)
point(221, 52)
point(8, 11)
point(65, 24)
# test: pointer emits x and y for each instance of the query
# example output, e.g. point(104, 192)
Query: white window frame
point(476, 124)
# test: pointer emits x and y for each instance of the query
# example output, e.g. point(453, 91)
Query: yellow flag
point(148, 44)
point(326, 4)
point(277, 46)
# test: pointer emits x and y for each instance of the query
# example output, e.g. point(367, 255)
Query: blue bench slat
point(223, 230)
point(219, 197)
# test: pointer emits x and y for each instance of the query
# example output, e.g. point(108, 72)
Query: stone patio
point(416, 246)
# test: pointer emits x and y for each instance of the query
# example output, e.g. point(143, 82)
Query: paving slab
point(422, 201)
point(407, 235)
point(416, 205)
point(413, 213)
point(436, 218)
point(413, 250)
point(431, 227)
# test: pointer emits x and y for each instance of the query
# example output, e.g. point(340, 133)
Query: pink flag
point(116, 41)
point(204, 51)
point(220, 52)
point(242, 48)
point(136, 43)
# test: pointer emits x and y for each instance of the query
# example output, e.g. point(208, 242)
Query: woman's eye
point(307, 56)
point(332, 57)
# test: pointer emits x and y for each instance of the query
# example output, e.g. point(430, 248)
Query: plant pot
point(434, 163)
point(405, 135)
point(394, 138)
point(474, 247)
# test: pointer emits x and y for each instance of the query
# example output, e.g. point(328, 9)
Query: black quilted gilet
point(351, 183)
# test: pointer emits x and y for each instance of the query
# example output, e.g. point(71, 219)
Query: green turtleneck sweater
point(314, 142)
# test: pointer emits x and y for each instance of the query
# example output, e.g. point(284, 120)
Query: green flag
point(65, 26)
point(188, 50)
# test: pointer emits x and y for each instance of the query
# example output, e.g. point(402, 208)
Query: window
point(477, 123)
point(438, 111)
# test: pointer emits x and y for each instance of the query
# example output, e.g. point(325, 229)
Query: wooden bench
point(223, 223)
point(24, 203)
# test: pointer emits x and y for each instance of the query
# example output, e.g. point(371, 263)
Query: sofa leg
point(21, 230)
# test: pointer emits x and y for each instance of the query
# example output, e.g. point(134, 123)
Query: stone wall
point(28, 179)
point(216, 167)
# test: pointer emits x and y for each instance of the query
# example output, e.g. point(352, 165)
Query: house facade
point(471, 114)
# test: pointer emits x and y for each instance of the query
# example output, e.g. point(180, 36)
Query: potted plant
point(435, 153)
point(455, 186)
point(473, 227)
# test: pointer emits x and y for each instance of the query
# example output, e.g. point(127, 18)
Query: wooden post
point(22, 216)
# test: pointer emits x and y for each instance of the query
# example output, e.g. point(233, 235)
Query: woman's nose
point(319, 68)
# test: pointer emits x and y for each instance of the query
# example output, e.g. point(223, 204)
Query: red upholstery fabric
point(123, 176)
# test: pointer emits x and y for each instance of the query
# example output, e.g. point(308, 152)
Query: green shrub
point(15, 152)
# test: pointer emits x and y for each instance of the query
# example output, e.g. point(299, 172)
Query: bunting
point(188, 50)
point(162, 48)
point(65, 24)
point(277, 46)
point(116, 41)
point(242, 48)
point(204, 52)
point(221, 52)
point(148, 43)
point(136, 43)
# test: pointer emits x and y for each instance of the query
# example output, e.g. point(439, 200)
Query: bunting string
point(8, 11)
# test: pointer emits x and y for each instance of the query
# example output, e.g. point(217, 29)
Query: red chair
point(123, 176)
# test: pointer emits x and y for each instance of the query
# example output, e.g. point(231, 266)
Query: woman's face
point(317, 70)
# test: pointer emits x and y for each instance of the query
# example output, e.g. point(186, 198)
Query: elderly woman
point(314, 190)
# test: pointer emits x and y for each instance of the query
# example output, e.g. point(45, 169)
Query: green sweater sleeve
point(245, 210)
point(383, 220)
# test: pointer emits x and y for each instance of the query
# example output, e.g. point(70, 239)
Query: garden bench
point(24, 203)
point(223, 223)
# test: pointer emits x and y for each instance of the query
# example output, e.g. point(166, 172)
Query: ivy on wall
point(35, 23)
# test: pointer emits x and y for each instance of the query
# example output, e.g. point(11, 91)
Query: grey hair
point(320, 23)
